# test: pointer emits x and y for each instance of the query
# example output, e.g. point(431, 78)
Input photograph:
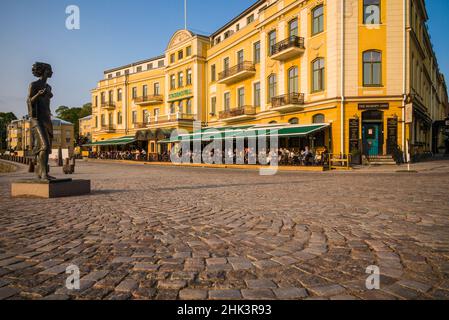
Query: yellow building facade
point(19, 136)
point(365, 68)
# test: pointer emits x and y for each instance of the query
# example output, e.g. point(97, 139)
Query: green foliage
point(5, 119)
point(73, 115)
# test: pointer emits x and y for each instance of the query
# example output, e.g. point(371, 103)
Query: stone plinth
point(50, 189)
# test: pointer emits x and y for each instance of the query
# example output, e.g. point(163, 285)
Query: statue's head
point(41, 69)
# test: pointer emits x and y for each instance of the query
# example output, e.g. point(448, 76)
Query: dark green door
point(371, 138)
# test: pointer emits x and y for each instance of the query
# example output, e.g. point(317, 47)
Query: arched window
point(318, 118)
point(293, 80)
point(317, 19)
point(181, 107)
point(293, 121)
point(318, 75)
point(189, 106)
point(293, 28)
point(372, 68)
point(271, 41)
point(272, 86)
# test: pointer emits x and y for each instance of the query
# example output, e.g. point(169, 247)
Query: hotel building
point(362, 75)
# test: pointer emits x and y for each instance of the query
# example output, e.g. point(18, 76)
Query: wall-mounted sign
point(392, 135)
point(354, 133)
point(180, 94)
point(409, 113)
point(374, 106)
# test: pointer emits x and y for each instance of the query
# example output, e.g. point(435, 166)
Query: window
point(189, 77)
point(250, 19)
point(139, 69)
point(118, 74)
point(109, 76)
point(172, 58)
point(134, 92)
point(189, 106)
point(180, 79)
point(188, 51)
point(240, 57)
point(272, 86)
point(180, 55)
point(213, 104)
point(293, 80)
point(156, 112)
point(96, 121)
point(111, 96)
point(318, 118)
point(318, 20)
point(145, 116)
point(180, 107)
point(119, 118)
point(172, 108)
point(257, 52)
point(96, 101)
point(318, 75)
point(228, 33)
point(271, 41)
point(372, 68)
point(119, 95)
point(237, 27)
point(241, 97)
point(145, 91)
point(110, 119)
point(134, 117)
point(103, 120)
point(293, 121)
point(257, 94)
point(213, 73)
point(126, 72)
point(149, 66)
point(226, 64)
point(227, 101)
point(293, 28)
point(160, 64)
point(156, 89)
point(217, 40)
point(371, 11)
point(172, 82)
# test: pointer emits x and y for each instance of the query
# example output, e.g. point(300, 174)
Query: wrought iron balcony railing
point(291, 42)
point(241, 67)
point(240, 111)
point(287, 99)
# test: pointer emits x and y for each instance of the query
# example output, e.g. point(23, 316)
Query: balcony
point(238, 114)
point(289, 48)
point(139, 125)
point(108, 105)
point(171, 118)
point(239, 72)
point(108, 128)
point(149, 100)
point(288, 102)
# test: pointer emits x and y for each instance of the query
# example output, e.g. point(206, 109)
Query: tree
point(73, 115)
point(5, 119)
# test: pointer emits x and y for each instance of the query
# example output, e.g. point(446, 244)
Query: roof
point(60, 122)
point(240, 16)
point(87, 118)
point(135, 64)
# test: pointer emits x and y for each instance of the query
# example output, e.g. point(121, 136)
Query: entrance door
point(371, 138)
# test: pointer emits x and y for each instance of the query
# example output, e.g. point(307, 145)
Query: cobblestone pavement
point(151, 232)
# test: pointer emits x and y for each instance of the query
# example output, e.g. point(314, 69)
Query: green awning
point(113, 142)
point(254, 131)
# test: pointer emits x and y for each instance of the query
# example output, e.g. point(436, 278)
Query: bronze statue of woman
point(39, 96)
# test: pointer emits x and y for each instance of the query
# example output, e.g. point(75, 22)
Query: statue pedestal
point(49, 189)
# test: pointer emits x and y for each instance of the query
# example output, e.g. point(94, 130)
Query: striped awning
point(113, 142)
point(254, 131)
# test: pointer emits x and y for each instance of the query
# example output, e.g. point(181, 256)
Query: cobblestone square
point(149, 232)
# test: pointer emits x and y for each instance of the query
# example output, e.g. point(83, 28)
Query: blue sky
point(114, 33)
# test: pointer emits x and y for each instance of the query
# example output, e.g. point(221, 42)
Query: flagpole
point(185, 14)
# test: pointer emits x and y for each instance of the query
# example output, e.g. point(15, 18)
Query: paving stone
point(224, 294)
point(261, 284)
point(193, 294)
point(127, 285)
point(330, 290)
point(172, 284)
point(7, 292)
point(290, 293)
point(257, 294)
